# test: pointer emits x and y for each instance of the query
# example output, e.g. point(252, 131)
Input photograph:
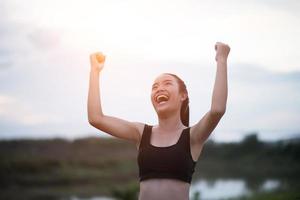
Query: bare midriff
point(167, 189)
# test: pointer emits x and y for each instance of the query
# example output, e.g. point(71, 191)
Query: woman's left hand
point(222, 51)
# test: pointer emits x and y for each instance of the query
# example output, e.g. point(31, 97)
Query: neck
point(170, 122)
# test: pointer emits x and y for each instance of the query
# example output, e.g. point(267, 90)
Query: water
point(92, 198)
point(228, 188)
point(218, 189)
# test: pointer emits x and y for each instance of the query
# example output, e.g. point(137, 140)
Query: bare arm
point(114, 126)
point(201, 131)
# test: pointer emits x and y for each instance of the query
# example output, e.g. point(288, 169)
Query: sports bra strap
point(145, 136)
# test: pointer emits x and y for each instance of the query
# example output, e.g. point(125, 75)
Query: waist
point(164, 189)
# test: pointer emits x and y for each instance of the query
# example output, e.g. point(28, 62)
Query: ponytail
point(185, 109)
point(185, 112)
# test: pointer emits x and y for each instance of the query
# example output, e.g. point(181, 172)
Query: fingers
point(217, 45)
point(222, 51)
point(220, 44)
point(100, 58)
point(97, 57)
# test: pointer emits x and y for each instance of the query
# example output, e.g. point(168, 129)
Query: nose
point(160, 89)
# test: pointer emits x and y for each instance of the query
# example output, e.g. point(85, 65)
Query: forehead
point(164, 77)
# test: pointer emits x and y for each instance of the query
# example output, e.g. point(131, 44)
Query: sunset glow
point(45, 48)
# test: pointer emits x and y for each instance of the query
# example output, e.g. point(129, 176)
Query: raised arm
point(201, 130)
point(114, 126)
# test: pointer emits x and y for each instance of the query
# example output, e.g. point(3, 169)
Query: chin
point(163, 110)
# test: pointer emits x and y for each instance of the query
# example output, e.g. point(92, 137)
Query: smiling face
point(166, 97)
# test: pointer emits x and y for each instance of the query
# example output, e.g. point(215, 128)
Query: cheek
point(151, 98)
point(176, 100)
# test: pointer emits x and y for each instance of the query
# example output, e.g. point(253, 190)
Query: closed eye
point(168, 83)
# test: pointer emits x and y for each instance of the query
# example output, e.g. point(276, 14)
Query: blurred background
point(48, 148)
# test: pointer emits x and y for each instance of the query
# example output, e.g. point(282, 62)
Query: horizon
point(290, 138)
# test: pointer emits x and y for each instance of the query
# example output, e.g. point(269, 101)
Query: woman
point(168, 151)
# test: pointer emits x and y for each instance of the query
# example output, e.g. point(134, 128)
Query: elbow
point(96, 120)
point(218, 112)
point(93, 120)
point(90, 120)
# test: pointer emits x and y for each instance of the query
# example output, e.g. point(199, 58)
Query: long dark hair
point(185, 109)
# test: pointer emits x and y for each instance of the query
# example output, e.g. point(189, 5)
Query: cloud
point(290, 6)
point(6, 45)
point(44, 39)
point(5, 61)
point(262, 100)
point(14, 46)
point(12, 109)
point(45, 68)
point(258, 99)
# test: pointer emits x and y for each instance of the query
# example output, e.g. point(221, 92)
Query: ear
point(183, 96)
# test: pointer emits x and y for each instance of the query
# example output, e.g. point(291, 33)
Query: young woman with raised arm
point(169, 150)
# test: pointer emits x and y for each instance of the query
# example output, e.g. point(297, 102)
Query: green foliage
point(251, 139)
point(128, 192)
point(196, 196)
point(105, 163)
point(277, 195)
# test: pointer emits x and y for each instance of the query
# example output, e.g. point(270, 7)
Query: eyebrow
point(163, 82)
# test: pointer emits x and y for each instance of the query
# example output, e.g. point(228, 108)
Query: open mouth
point(162, 98)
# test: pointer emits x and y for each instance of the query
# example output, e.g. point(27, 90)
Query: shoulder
point(140, 127)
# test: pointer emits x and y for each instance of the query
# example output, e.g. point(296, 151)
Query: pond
point(218, 189)
point(229, 188)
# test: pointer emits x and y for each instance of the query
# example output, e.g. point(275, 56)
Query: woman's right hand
point(97, 61)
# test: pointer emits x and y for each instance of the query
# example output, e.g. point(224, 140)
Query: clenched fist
point(222, 51)
point(97, 61)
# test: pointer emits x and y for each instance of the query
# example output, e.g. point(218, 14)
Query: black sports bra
point(173, 162)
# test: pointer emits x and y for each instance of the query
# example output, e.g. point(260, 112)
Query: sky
point(44, 63)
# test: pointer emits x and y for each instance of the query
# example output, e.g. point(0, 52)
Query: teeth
point(161, 98)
